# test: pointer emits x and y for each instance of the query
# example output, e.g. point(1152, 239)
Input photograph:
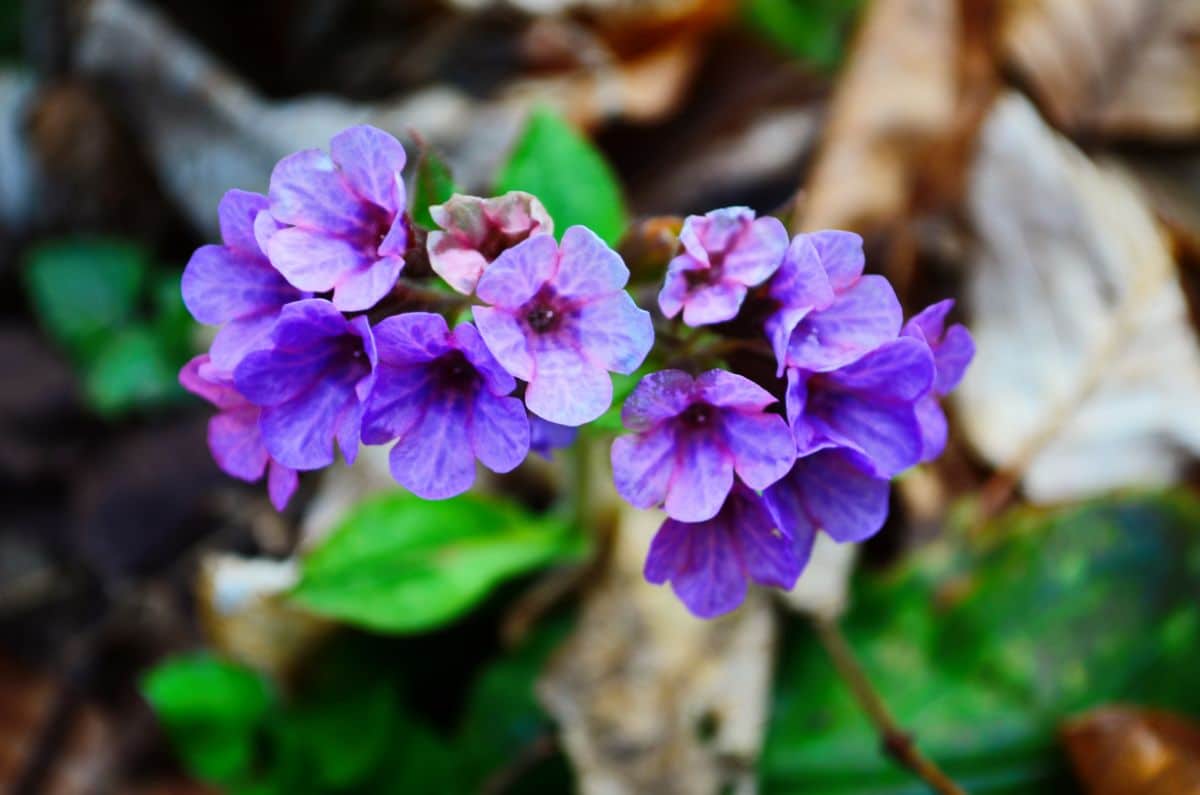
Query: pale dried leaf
point(1132, 751)
point(1087, 374)
point(1114, 67)
point(651, 699)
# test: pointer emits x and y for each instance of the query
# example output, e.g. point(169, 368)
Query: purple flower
point(545, 437)
point(709, 562)
point(310, 383)
point(691, 435)
point(952, 350)
point(235, 284)
point(479, 230)
point(868, 406)
point(831, 490)
point(443, 397)
point(346, 228)
point(829, 313)
point(725, 252)
point(560, 319)
point(234, 436)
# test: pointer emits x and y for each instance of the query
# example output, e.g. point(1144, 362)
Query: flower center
point(497, 242)
point(541, 318)
point(455, 372)
point(698, 415)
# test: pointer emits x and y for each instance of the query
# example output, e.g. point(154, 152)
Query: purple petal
point(546, 437)
point(713, 303)
point(299, 433)
point(361, 289)
point(467, 338)
point(701, 567)
point(499, 431)
point(657, 397)
point(702, 477)
point(239, 337)
point(762, 447)
point(801, 280)
point(237, 211)
point(236, 444)
point(349, 430)
point(730, 390)
point(714, 231)
point(518, 273)
point(371, 161)
point(929, 324)
point(281, 484)
point(796, 396)
point(221, 284)
point(779, 327)
point(411, 338)
point(933, 427)
point(642, 466)
point(272, 377)
point(587, 267)
point(841, 255)
point(395, 242)
point(504, 337)
point(757, 253)
point(859, 320)
point(307, 190)
point(674, 292)
point(833, 491)
point(616, 334)
point(457, 263)
point(220, 393)
point(767, 554)
point(888, 434)
point(434, 460)
point(265, 227)
point(312, 260)
point(566, 387)
point(397, 402)
point(901, 370)
point(305, 323)
point(952, 358)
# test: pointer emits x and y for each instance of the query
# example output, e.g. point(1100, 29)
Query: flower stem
point(896, 742)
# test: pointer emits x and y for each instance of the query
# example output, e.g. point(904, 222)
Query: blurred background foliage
point(1030, 613)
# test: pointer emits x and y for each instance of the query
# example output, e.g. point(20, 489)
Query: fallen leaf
point(1125, 68)
point(1087, 372)
point(651, 699)
point(1131, 751)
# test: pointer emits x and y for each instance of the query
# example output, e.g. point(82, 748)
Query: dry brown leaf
point(651, 699)
point(1128, 68)
point(1132, 751)
point(895, 99)
point(1087, 372)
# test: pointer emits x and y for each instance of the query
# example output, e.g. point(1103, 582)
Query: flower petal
point(397, 402)
point(887, 434)
point(504, 337)
point(308, 190)
point(834, 491)
point(411, 338)
point(841, 256)
point(220, 393)
point(361, 289)
point(587, 267)
point(371, 161)
point(272, 377)
point(499, 431)
point(239, 337)
point(762, 447)
point(673, 293)
point(615, 333)
point(713, 303)
point(305, 323)
point(657, 397)
point(221, 284)
point(730, 390)
point(900, 370)
point(281, 484)
point(700, 565)
point(457, 263)
point(434, 460)
point(952, 358)
point(236, 212)
point(801, 281)
point(517, 274)
point(859, 320)
point(566, 387)
point(714, 231)
point(236, 443)
point(702, 477)
point(933, 427)
point(312, 260)
point(642, 466)
point(757, 253)
point(766, 553)
point(467, 338)
point(299, 433)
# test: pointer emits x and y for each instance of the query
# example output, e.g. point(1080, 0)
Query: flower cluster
point(325, 342)
point(310, 354)
point(746, 491)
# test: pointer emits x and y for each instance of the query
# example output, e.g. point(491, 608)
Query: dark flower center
point(707, 276)
point(541, 318)
point(498, 241)
point(698, 415)
point(545, 311)
point(455, 372)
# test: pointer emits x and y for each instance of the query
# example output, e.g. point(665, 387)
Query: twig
point(896, 742)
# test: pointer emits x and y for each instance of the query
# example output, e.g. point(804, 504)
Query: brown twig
point(896, 742)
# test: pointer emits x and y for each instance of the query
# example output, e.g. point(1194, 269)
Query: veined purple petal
point(314, 261)
point(900, 370)
point(886, 433)
point(308, 190)
point(371, 161)
point(236, 212)
point(658, 396)
point(349, 430)
point(766, 551)
point(834, 491)
point(299, 432)
point(587, 267)
point(220, 393)
point(642, 466)
point(435, 460)
point(305, 323)
point(696, 559)
point(236, 444)
point(364, 287)
point(395, 243)
point(239, 337)
point(757, 252)
point(545, 437)
point(273, 376)
point(762, 447)
point(730, 390)
point(566, 387)
point(714, 231)
point(504, 337)
point(499, 431)
point(713, 303)
point(499, 381)
point(930, 322)
point(221, 284)
point(861, 319)
point(518, 273)
point(841, 256)
point(281, 484)
point(616, 334)
point(801, 281)
point(674, 292)
point(952, 358)
point(933, 427)
point(455, 262)
point(411, 338)
point(397, 402)
point(702, 477)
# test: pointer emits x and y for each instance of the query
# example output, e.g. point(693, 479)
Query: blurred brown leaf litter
point(1118, 750)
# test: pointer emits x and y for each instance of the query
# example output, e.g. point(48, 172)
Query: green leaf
point(981, 651)
point(398, 563)
point(432, 185)
point(136, 369)
point(813, 30)
point(568, 174)
point(84, 290)
point(211, 710)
